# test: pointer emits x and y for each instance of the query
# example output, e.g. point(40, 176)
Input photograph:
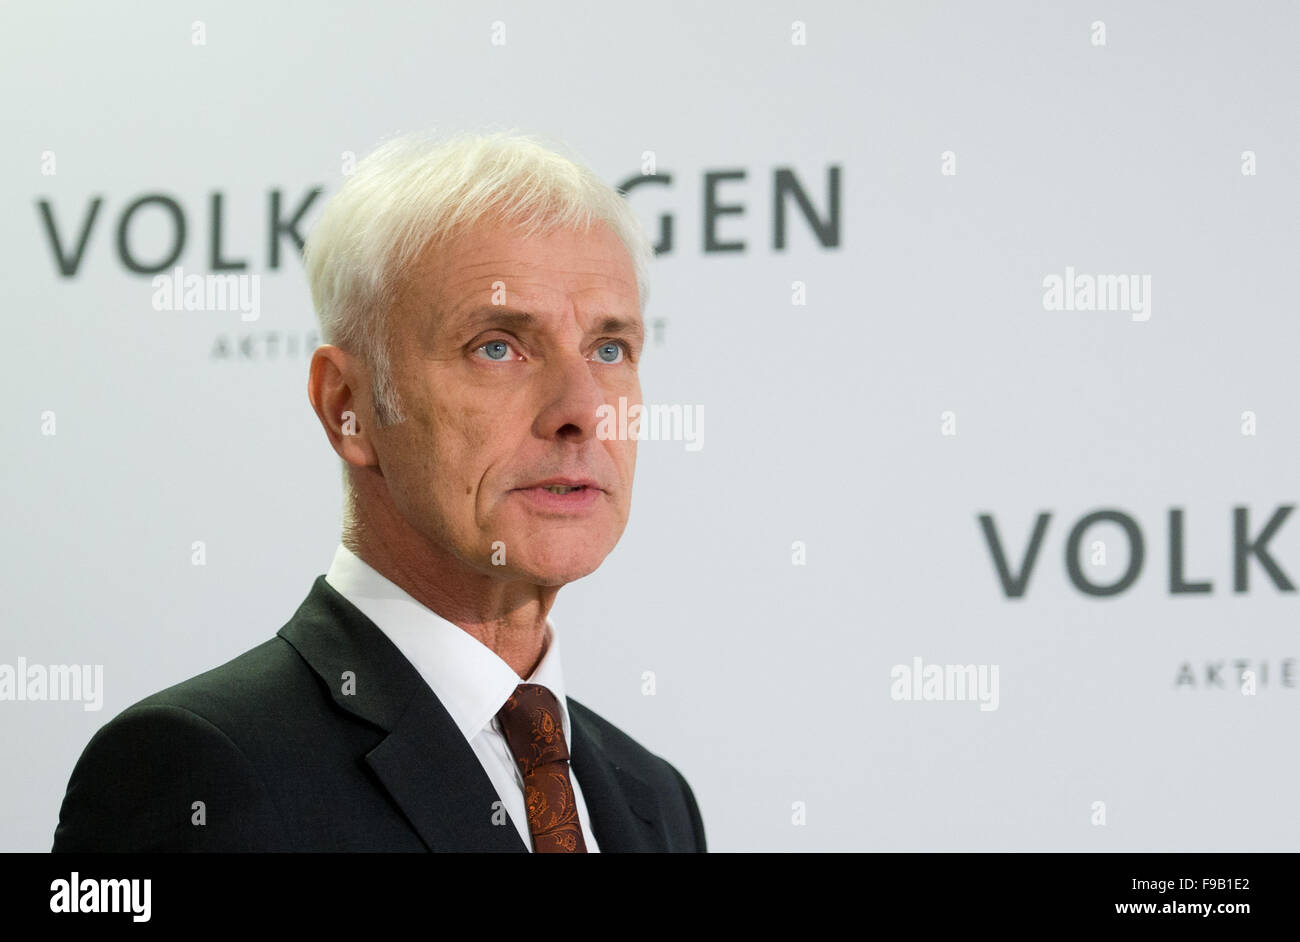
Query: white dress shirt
point(467, 676)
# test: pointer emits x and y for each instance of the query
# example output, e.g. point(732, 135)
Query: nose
point(572, 396)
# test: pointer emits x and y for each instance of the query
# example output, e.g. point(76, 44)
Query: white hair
point(417, 191)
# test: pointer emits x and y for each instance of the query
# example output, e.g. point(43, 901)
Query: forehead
point(478, 264)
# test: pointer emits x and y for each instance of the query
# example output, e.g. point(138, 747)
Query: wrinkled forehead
point(501, 272)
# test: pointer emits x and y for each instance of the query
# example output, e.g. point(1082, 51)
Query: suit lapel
point(623, 809)
point(438, 782)
point(424, 763)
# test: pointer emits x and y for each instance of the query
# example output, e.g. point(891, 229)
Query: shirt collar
point(469, 678)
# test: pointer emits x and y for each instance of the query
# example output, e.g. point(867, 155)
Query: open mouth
point(561, 498)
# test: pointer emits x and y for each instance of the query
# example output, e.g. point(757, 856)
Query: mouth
point(561, 495)
point(562, 485)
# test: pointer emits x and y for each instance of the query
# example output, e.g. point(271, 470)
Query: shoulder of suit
point(251, 688)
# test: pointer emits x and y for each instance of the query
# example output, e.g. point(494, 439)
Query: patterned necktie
point(531, 723)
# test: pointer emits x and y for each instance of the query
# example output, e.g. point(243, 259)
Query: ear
point(338, 386)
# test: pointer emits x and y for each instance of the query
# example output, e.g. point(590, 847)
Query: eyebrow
point(497, 315)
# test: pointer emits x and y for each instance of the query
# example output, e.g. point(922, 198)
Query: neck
point(508, 616)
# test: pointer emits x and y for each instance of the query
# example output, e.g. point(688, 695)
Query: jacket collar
point(425, 763)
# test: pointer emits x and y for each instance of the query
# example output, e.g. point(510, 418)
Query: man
point(481, 299)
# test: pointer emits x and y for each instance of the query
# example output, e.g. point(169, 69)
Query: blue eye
point(496, 349)
point(607, 347)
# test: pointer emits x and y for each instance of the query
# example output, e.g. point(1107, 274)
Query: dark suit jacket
point(284, 760)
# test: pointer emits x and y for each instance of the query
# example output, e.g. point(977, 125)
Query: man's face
point(503, 349)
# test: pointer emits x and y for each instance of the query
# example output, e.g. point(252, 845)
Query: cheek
point(462, 440)
point(428, 457)
point(625, 459)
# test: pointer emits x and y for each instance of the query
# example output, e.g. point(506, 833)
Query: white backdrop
point(922, 383)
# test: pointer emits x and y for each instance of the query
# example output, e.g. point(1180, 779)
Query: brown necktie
point(531, 723)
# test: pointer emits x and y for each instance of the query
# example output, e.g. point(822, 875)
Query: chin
point(560, 563)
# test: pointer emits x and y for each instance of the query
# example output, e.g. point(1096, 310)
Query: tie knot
point(533, 728)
